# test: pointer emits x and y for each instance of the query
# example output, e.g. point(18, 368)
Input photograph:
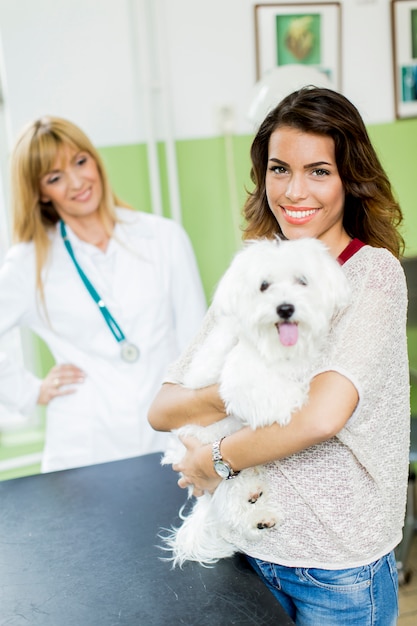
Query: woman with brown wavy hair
point(338, 471)
point(371, 213)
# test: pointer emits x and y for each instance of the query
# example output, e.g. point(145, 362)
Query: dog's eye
point(301, 280)
point(264, 285)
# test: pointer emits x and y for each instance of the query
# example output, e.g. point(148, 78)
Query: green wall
point(396, 145)
point(204, 192)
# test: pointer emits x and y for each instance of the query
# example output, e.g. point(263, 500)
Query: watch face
point(222, 469)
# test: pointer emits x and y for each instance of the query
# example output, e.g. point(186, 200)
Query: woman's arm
point(20, 389)
point(175, 406)
point(332, 400)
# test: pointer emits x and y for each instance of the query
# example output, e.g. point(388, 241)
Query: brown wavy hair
point(371, 212)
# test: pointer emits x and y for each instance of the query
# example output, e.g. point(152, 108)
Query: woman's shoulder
point(20, 252)
point(377, 255)
point(149, 224)
point(25, 251)
point(376, 259)
point(18, 264)
point(376, 267)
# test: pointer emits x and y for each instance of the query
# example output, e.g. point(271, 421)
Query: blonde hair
point(34, 154)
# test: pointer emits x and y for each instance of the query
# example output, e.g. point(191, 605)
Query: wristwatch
point(222, 468)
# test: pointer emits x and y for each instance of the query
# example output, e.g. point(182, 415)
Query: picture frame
point(404, 46)
point(307, 33)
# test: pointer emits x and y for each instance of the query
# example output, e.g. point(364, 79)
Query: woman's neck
point(336, 242)
point(90, 229)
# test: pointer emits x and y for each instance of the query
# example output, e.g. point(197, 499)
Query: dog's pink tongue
point(288, 333)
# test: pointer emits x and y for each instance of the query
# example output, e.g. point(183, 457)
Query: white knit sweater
point(342, 502)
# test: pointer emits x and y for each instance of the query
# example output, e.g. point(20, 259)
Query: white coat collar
point(121, 235)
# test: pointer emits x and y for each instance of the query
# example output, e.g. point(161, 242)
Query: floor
point(408, 593)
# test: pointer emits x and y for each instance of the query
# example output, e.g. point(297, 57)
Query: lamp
point(278, 83)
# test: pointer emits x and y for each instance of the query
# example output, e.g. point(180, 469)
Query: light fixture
point(278, 83)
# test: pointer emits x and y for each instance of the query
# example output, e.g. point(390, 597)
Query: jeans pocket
point(351, 579)
point(267, 571)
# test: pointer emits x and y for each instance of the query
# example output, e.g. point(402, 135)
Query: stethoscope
point(129, 352)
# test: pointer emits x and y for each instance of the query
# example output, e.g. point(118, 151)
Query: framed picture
point(404, 44)
point(300, 33)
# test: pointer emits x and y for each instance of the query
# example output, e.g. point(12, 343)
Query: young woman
point(114, 293)
point(339, 469)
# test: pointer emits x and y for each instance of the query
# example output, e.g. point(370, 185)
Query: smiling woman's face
point(73, 185)
point(304, 190)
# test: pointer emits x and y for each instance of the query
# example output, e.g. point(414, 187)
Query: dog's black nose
point(285, 311)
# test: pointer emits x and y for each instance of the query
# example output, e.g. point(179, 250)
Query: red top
point(350, 250)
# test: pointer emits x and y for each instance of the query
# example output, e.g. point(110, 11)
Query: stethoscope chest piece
point(129, 352)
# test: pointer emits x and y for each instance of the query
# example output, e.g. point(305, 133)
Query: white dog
point(273, 309)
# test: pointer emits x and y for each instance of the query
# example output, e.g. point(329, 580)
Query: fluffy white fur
point(273, 309)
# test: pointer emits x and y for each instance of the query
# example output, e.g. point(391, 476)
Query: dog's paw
point(254, 496)
point(264, 524)
point(258, 522)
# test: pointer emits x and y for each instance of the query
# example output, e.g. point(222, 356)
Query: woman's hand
point(196, 468)
point(57, 382)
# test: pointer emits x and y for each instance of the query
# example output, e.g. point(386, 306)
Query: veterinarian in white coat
point(338, 471)
point(143, 269)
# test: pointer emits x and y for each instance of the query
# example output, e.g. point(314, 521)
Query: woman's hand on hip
point(59, 382)
point(196, 468)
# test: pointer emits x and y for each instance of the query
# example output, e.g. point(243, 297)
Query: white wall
point(88, 60)
point(69, 58)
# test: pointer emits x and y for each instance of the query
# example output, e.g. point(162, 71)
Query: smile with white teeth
point(300, 214)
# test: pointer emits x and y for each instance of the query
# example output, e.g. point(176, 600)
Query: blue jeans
point(360, 596)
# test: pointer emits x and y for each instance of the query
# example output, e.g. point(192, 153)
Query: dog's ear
point(226, 295)
point(331, 279)
point(235, 284)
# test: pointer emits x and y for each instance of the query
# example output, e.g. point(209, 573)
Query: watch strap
point(218, 459)
point(216, 455)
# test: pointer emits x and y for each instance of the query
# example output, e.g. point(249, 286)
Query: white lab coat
point(17, 394)
point(149, 280)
